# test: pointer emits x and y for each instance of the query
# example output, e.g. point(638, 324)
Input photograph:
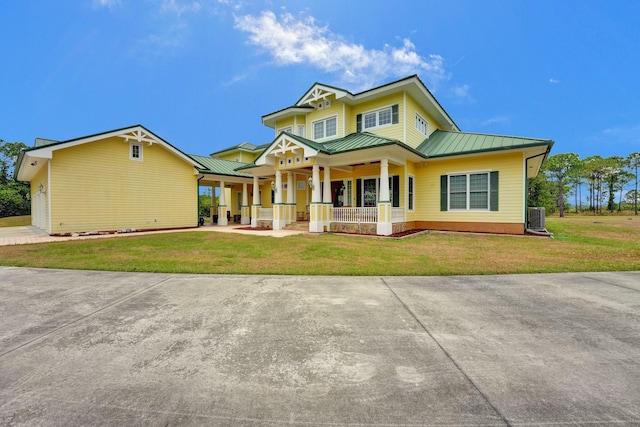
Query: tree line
point(14, 195)
point(593, 184)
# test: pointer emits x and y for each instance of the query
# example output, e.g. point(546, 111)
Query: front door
point(336, 194)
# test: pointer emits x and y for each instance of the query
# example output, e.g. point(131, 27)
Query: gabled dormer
point(404, 110)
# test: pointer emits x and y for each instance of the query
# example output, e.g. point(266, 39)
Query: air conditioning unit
point(536, 219)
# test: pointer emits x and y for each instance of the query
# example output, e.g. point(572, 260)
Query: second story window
point(378, 118)
point(325, 128)
point(422, 125)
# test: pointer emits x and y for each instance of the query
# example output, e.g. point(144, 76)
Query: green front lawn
point(581, 244)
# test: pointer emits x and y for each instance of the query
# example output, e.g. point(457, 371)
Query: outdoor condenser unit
point(536, 219)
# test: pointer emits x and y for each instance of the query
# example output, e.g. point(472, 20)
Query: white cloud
point(626, 134)
point(179, 7)
point(106, 3)
point(554, 81)
point(461, 94)
point(302, 41)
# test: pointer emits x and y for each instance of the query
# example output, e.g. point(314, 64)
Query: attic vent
point(327, 103)
point(536, 219)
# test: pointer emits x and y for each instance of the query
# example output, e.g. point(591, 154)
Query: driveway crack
point(447, 354)
point(73, 322)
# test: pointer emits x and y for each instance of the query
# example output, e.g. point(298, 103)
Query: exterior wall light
point(273, 187)
point(310, 181)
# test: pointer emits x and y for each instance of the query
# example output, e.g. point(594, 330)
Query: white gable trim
point(281, 145)
point(319, 92)
point(135, 133)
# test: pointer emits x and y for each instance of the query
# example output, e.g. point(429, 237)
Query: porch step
point(298, 226)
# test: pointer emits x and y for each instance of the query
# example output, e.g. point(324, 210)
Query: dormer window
point(325, 128)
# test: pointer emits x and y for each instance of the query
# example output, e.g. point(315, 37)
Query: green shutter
point(359, 123)
point(493, 196)
point(358, 193)
point(394, 114)
point(396, 191)
point(443, 192)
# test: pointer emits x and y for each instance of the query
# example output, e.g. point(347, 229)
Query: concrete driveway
point(80, 348)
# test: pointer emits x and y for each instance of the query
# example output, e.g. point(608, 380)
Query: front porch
point(353, 220)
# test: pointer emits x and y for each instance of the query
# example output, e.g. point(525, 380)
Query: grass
point(15, 221)
point(581, 244)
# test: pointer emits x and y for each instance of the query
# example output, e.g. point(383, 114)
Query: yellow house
point(381, 161)
point(126, 179)
point(386, 160)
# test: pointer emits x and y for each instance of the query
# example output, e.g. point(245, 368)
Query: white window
point(135, 151)
point(325, 128)
point(301, 130)
point(378, 118)
point(422, 125)
point(348, 193)
point(469, 191)
point(287, 129)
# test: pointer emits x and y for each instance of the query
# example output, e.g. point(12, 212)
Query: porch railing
point(357, 215)
point(265, 213)
point(397, 214)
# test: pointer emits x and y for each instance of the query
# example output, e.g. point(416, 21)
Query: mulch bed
point(406, 233)
point(253, 229)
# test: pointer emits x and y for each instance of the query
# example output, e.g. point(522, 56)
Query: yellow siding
point(414, 137)
point(281, 124)
point(335, 109)
point(233, 156)
point(96, 187)
point(510, 195)
point(392, 131)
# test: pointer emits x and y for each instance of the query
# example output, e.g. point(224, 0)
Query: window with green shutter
point(471, 191)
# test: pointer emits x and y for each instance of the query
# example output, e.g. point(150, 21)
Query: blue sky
point(201, 73)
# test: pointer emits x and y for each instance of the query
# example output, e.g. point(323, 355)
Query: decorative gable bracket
point(139, 135)
point(318, 94)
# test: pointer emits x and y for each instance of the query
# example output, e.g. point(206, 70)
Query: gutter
point(526, 180)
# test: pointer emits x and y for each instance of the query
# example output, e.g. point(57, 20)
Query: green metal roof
point(246, 146)
point(357, 141)
point(449, 143)
point(220, 166)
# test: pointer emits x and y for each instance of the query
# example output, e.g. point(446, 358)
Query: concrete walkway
point(28, 234)
point(102, 348)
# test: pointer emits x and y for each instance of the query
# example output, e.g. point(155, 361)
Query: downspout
point(198, 198)
point(526, 180)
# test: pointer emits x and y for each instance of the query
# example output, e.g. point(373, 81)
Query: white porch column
point(291, 208)
point(316, 220)
point(315, 191)
point(326, 193)
point(327, 200)
point(255, 207)
point(278, 189)
point(384, 181)
point(222, 208)
point(384, 226)
point(279, 216)
point(245, 212)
